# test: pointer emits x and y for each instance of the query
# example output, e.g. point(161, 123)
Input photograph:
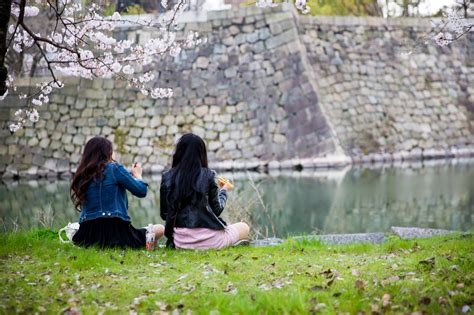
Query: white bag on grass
point(70, 229)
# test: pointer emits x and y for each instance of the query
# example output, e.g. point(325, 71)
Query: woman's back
point(202, 210)
point(191, 201)
point(99, 190)
point(107, 196)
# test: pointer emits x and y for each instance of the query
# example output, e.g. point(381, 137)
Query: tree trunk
point(5, 8)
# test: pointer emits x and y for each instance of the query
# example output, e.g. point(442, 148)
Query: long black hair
point(97, 153)
point(190, 156)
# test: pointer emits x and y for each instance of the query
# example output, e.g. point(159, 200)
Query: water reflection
point(358, 199)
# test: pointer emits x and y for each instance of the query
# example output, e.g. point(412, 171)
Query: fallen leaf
point(71, 311)
point(355, 272)
point(425, 300)
point(327, 273)
point(442, 300)
point(359, 284)
point(330, 282)
point(389, 280)
point(230, 288)
point(386, 300)
point(429, 261)
point(375, 308)
point(317, 288)
point(138, 299)
point(163, 306)
point(182, 277)
point(153, 290)
point(460, 286)
point(318, 307)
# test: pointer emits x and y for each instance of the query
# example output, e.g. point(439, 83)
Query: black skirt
point(109, 232)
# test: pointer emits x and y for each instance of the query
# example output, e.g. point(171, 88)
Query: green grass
point(38, 274)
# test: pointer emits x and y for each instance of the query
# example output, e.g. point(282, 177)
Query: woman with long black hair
point(191, 201)
point(99, 191)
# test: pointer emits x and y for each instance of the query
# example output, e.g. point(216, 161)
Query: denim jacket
point(107, 197)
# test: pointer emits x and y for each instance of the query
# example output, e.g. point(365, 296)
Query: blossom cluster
point(452, 27)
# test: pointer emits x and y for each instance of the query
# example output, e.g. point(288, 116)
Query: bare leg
point(243, 229)
point(159, 231)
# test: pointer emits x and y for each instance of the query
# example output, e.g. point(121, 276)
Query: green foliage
point(110, 9)
point(400, 276)
point(134, 10)
point(345, 7)
point(131, 10)
point(120, 138)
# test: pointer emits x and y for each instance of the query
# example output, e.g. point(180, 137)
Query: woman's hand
point(227, 186)
point(224, 183)
point(137, 171)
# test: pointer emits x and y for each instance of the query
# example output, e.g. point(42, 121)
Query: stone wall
point(384, 102)
point(269, 89)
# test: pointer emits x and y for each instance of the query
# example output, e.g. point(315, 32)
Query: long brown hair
point(97, 153)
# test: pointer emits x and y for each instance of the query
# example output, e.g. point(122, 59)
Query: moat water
point(352, 200)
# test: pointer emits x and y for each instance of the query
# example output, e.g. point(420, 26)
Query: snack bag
point(222, 181)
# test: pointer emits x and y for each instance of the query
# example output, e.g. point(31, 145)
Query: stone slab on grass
point(414, 232)
point(341, 239)
point(272, 241)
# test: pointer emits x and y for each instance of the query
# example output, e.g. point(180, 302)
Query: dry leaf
point(429, 261)
point(374, 308)
point(359, 284)
point(425, 300)
point(330, 282)
point(327, 273)
point(182, 277)
point(317, 288)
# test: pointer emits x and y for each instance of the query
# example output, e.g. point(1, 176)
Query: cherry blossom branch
point(80, 46)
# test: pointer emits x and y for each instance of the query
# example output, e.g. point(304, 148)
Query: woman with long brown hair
point(99, 191)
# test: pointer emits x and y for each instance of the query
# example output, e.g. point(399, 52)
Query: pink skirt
point(202, 238)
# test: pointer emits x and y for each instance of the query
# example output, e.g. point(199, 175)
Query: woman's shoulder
point(208, 173)
point(113, 166)
point(166, 176)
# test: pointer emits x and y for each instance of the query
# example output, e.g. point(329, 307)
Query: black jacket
point(203, 212)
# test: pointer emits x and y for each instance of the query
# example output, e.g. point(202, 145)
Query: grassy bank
point(38, 274)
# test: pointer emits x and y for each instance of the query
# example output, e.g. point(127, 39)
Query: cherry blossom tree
point(81, 45)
